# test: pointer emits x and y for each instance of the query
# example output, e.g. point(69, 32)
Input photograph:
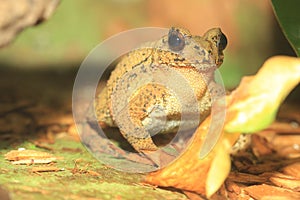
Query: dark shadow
point(34, 101)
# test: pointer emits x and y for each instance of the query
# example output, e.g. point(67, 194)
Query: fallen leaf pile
point(264, 170)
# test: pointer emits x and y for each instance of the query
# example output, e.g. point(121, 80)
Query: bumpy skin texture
point(140, 108)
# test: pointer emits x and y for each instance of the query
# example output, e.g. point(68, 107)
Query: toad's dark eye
point(223, 42)
point(175, 40)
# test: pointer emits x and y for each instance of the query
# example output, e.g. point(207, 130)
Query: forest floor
point(36, 114)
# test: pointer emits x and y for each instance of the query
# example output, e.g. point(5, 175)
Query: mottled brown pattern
point(196, 63)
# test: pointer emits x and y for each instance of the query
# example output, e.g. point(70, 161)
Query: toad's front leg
point(144, 115)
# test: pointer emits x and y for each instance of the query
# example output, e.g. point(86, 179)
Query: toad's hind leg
point(102, 109)
point(131, 119)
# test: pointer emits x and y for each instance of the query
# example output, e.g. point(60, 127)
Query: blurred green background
point(77, 26)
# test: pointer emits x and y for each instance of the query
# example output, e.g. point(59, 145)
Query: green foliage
point(287, 13)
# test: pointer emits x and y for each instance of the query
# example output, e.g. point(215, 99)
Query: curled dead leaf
point(188, 172)
point(255, 102)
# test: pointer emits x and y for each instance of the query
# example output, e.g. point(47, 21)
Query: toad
point(151, 107)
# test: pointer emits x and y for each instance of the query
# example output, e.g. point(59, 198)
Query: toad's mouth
point(199, 67)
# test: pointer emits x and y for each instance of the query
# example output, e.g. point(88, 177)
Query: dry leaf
point(286, 181)
point(30, 157)
point(260, 146)
point(292, 169)
point(246, 178)
point(46, 169)
point(271, 192)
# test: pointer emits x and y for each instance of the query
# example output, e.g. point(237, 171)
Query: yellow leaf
point(255, 102)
